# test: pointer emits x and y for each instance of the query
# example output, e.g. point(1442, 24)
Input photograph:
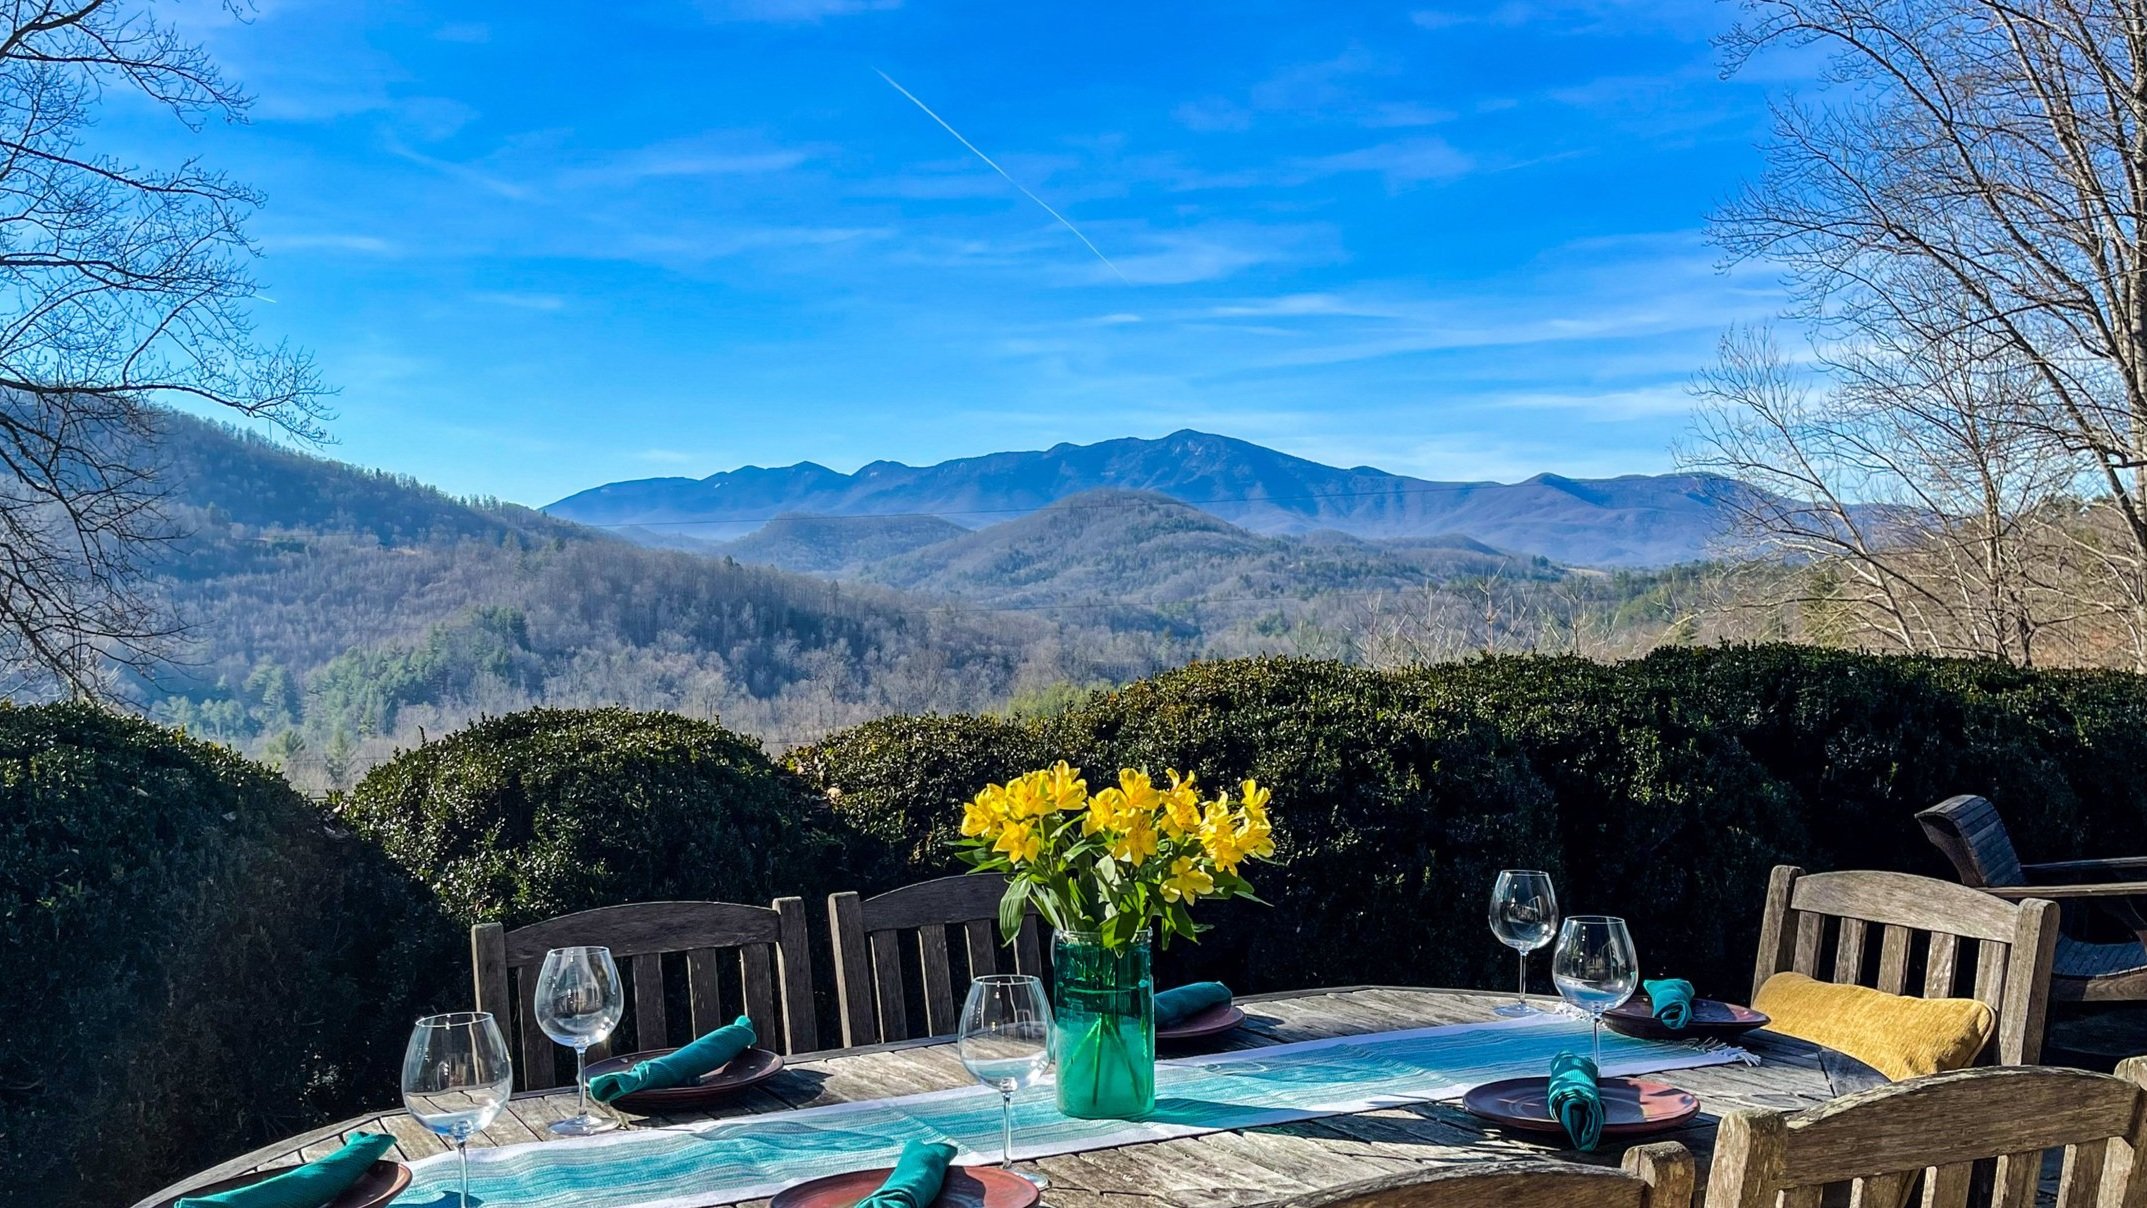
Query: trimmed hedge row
point(550, 811)
point(196, 962)
point(1662, 789)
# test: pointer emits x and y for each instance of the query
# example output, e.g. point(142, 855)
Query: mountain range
point(1632, 521)
point(330, 614)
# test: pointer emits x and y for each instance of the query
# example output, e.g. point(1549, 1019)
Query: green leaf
point(1013, 906)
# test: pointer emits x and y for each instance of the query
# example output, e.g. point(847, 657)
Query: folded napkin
point(312, 1185)
point(1672, 999)
point(1174, 1007)
point(916, 1178)
point(1575, 1101)
point(676, 1068)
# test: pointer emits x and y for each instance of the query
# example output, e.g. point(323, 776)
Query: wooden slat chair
point(1930, 937)
point(1653, 1176)
point(760, 950)
point(1968, 1132)
point(1972, 836)
point(870, 935)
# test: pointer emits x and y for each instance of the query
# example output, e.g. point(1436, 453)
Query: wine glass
point(1524, 917)
point(579, 1001)
point(1595, 967)
point(456, 1078)
point(1006, 1044)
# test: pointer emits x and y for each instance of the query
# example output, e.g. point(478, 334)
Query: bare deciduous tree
point(1924, 511)
point(1970, 188)
point(121, 288)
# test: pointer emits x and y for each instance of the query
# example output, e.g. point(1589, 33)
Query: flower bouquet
point(1109, 870)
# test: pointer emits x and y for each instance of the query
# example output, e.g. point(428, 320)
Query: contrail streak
point(990, 163)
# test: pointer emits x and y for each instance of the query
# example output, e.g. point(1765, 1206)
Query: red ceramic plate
point(381, 1183)
point(1214, 1021)
point(966, 1187)
point(750, 1068)
point(1632, 1107)
point(1710, 1020)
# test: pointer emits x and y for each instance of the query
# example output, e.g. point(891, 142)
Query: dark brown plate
point(1710, 1020)
point(1632, 1107)
point(966, 1187)
point(1214, 1021)
point(381, 1183)
point(750, 1068)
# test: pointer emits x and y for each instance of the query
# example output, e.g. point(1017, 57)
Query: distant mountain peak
point(1634, 520)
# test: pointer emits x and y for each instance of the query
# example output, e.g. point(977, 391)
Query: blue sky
point(547, 245)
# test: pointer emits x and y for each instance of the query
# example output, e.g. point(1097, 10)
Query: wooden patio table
point(1237, 1167)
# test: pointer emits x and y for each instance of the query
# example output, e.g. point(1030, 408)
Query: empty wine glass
point(1595, 967)
point(1524, 917)
point(456, 1078)
point(579, 1002)
point(1006, 1044)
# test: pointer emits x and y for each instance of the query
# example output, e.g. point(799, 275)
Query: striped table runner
point(753, 1156)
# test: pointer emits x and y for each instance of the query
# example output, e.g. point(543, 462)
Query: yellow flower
point(983, 815)
point(1255, 799)
point(1181, 806)
point(1103, 812)
point(1137, 843)
point(1187, 881)
point(1063, 788)
point(1020, 842)
point(1140, 795)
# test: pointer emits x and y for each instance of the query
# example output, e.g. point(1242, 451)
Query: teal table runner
point(748, 1157)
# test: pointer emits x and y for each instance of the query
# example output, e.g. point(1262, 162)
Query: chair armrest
point(2118, 864)
point(2062, 893)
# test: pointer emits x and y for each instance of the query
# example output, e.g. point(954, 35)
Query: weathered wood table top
point(1239, 1167)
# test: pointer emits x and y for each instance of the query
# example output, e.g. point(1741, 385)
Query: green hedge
point(195, 962)
point(550, 811)
point(1662, 789)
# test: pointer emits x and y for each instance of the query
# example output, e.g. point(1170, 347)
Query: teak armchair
point(761, 950)
point(1954, 1131)
point(1972, 836)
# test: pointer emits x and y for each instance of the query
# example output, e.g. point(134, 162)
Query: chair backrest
point(735, 958)
point(1932, 935)
point(1942, 1127)
point(1653, 1176)
point(870, 935)
point(1968, 830)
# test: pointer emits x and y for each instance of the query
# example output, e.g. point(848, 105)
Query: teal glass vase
point(1104, 1000)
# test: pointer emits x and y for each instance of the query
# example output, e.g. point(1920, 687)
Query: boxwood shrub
point(196, 962)
point(549, 811)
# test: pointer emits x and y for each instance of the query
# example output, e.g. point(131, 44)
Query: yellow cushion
point(1899, 1037)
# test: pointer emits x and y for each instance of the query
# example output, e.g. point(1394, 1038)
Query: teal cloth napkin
point(309, 1186)
point(1575, 1100)
point(916, 1178)
point(1174, 1007)
point(713, 1051)
point(1672, 999)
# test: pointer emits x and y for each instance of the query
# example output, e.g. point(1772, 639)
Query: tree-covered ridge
point(334, 614)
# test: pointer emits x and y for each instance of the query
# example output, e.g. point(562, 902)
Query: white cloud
point(372, 245)
point(791, 10)
point(521, 301)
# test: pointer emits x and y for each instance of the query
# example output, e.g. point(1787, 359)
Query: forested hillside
point(333, 614)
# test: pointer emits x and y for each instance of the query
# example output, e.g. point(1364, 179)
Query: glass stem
point(462, 1150)
point(1006, 1130)
point(581, 1079)
point(1595, 1034)
point(1521, 996)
